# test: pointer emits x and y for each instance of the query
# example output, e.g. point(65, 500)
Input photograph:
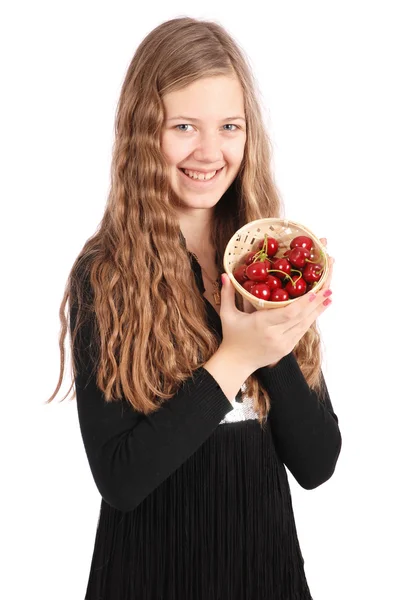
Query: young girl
point(190, 403)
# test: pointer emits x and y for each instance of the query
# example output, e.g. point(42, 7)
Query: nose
point(209, 149)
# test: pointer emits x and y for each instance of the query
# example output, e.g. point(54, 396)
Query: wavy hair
point(132, 279)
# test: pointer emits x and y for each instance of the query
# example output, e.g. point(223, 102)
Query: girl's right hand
point(264, 337)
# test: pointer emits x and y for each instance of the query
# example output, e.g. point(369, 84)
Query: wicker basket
point(243, 241)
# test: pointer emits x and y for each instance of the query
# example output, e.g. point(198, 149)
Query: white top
point(242, 411)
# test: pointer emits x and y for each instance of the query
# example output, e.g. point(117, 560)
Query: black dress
point(196, 503)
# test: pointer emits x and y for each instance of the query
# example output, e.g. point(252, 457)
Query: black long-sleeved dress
point(196, 503)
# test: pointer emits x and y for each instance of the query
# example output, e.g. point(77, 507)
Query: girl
point(190, 403)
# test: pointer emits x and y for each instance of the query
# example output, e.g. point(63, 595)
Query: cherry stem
point(259, 256)
point(264, 247)
point(286, 274)
point(262, 255)
point(315, 262)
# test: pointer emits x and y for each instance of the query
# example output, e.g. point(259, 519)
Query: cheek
point(175, 150)
point(234, 153)
point(167, 148)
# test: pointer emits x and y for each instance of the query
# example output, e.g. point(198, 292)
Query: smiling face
point(204, 130)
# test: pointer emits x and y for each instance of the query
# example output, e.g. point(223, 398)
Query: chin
point(198, 202)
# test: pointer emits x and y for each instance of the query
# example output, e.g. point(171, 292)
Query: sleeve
point(131, 454)
point(305, 429)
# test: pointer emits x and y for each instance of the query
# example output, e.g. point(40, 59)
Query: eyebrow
point(198, 120)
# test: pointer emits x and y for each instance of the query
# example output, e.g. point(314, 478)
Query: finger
point(295, 312)
point(323, 241)
point(300, 328)
point(228, 306)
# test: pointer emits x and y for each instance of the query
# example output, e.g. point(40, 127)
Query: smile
point(201, 182)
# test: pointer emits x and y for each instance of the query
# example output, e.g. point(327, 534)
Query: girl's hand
point(264, 337)
point(248, 308)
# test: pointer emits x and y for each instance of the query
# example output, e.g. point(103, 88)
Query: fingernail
point(327, 293)
point(312, 297)
point(327, 302)
point(222, 279)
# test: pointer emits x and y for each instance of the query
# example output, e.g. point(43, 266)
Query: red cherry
point(281, 264)
point(302, 241)
point(261, 290)
point(240, 274)
point(248, 284)
point(312, 273)
point(299, 287)
point(273, 282)
point(249, 257)
point(314, 254)
point(279, 295)
point(271, 246)
point(257, 271)
point(298, 256)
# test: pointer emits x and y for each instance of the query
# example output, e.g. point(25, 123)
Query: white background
point(329, 76)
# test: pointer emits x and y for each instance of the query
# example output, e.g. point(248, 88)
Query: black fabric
point(193, 509)
point(220, 527)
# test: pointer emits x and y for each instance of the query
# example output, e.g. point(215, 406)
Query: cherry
point(261, 290)
point(273, 282)
point(240, 274)
point(249, 257)
point(248, 285)
point(282, 264)
point(257, 271)
point(298, 288)
point(312, 272)
point(279, 295)
point(302, 241)
point(314, 254)
point(269, 244)
point(298, 256)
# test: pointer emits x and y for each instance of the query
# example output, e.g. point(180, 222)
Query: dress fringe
point(221, 527)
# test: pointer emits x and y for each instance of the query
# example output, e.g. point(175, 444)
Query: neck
point(196, 231)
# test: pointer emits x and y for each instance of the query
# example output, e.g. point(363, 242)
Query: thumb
point(227, 295)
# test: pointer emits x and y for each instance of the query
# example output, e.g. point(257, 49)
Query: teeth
point(200, 176)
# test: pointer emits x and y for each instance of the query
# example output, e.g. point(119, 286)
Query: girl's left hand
point(248, 308)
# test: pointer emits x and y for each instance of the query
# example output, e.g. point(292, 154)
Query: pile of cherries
point(268, 277)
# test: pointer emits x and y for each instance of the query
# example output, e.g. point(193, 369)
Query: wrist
point(234, 356)
point(229, 370)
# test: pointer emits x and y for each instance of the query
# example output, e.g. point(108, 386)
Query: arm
point(305, 430)
point(130, 454)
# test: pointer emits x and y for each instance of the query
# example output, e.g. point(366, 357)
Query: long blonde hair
point(133, 279)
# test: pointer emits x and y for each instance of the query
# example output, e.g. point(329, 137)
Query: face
point(204, 130)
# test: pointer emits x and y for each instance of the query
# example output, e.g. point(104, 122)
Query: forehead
point(207, 98)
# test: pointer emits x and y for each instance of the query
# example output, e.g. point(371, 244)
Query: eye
point(182, 125)
point(188, 125)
